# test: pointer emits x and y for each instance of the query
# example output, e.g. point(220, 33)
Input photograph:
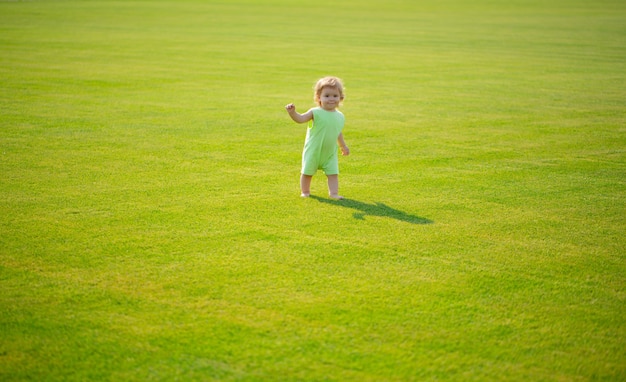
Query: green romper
point(320, 146)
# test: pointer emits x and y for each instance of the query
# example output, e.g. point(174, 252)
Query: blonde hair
point(327, 82)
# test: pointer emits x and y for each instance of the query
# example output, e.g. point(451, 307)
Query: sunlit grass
point(151, 226)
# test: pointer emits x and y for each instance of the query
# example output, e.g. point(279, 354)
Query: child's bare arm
point(342, 144)
point(297, 117)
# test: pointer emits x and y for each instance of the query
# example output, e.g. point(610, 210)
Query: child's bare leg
point(305, 185)
point(333, 186)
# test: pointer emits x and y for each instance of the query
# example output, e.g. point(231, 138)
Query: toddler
point(322, 136)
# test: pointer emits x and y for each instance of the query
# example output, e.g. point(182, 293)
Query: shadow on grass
point(378, 209)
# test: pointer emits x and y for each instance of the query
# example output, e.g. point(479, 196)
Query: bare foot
point(336, 197)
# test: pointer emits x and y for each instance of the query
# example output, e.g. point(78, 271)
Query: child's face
point(330, 98)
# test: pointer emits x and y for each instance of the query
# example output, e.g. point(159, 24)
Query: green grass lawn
point(150, 220)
